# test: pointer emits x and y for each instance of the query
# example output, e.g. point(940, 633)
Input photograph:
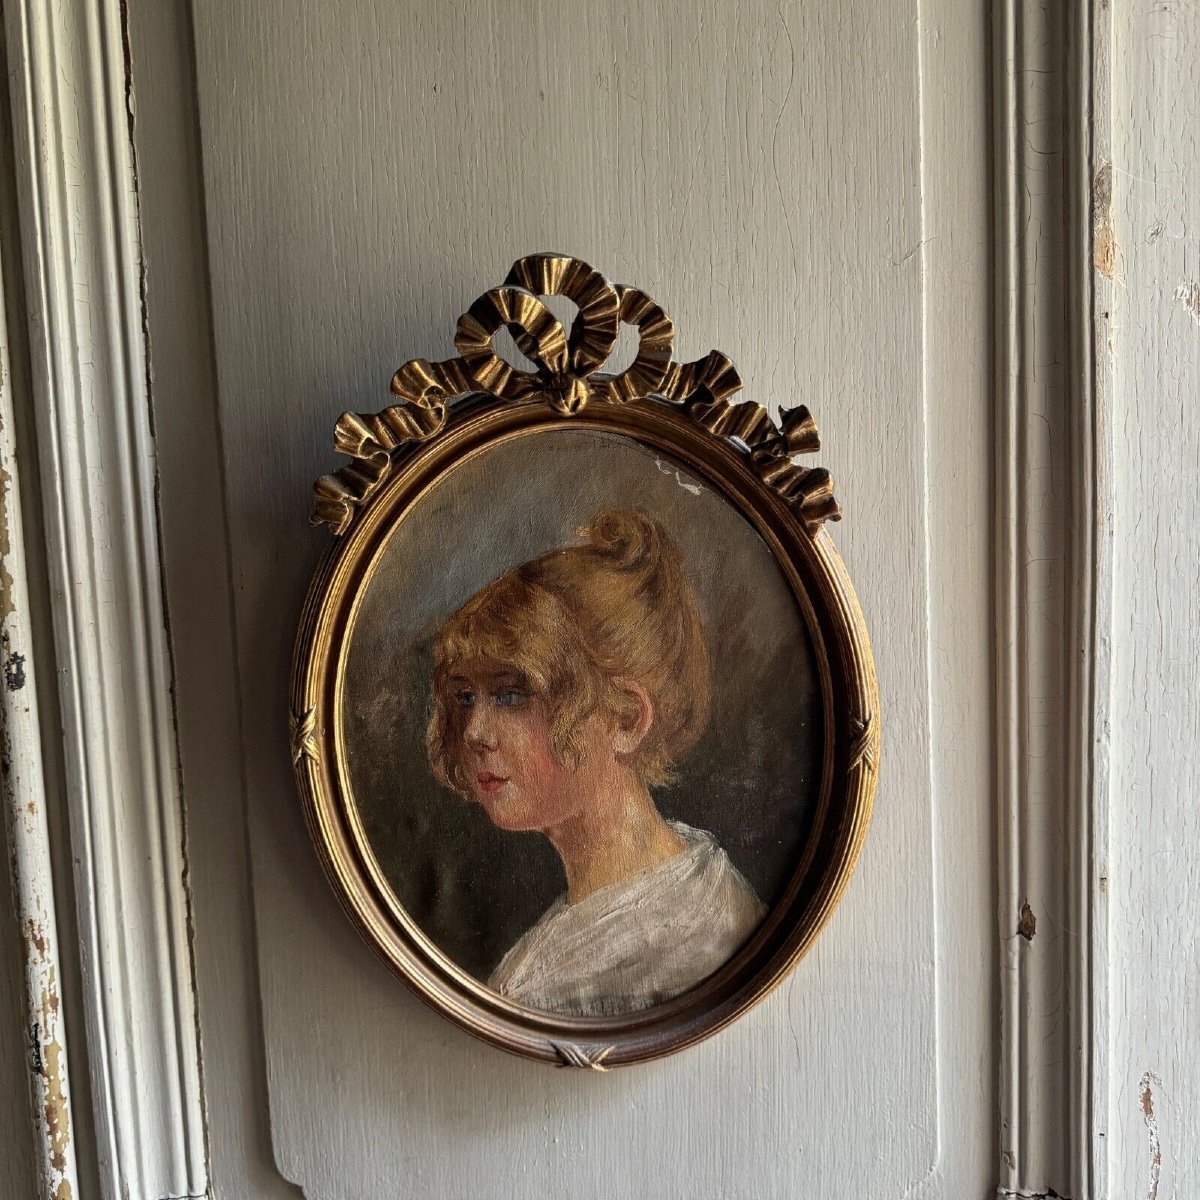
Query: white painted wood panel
point(368, 171)
point(1152, 336)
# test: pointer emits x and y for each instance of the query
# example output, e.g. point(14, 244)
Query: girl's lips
point(489, 782)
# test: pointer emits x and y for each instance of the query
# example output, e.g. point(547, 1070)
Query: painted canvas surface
point(583, 723)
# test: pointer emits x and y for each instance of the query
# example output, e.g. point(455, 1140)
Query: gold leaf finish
point(864, 751)
point(590, 1058)
point(567, 378)
point(594, 332)
point(656, 340)
point(304, 736)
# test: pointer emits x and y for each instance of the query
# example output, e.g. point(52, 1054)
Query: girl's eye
point(465, 698)
point(510, 698)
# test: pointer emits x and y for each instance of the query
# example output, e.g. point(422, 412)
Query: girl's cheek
point(539, 754)
point(538, 751)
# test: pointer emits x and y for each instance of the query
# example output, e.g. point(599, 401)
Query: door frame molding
point(27, 821)
point(1053, 530)
point(72, 110)
point(71, 104)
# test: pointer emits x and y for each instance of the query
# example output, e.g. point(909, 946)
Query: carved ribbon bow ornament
point(567, 377)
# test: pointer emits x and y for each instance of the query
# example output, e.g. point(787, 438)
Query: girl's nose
point(480, 733)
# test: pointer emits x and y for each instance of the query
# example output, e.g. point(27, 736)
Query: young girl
point(563, 692)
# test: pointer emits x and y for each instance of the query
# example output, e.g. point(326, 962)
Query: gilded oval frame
point(456, 410)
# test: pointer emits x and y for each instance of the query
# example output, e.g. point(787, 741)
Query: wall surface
point(1153, 338)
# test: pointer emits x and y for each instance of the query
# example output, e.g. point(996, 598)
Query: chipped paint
point(14, 672)
point(687, 485)
point(1147, 1101)
point(1027, 923)
point(36, 937)
point(1188, 294)
point(47, 1059)
point(36, 1058)
point(1104, 239)
point(58, 1121)
point(6, 579)
point(46, 1051)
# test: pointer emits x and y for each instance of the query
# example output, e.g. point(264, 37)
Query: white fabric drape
point(635, 943)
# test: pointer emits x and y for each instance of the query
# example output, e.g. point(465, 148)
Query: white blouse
point(636, 943)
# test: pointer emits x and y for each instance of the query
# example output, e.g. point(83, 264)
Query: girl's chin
point(507, 815)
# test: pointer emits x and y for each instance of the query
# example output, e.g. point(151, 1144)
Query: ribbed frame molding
point(78, 212)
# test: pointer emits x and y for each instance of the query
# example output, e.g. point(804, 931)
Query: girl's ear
point(634, 722)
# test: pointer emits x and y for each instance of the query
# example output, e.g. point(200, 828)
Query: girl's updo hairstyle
point(577, 623)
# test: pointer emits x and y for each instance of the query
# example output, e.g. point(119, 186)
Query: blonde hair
point(578, 623)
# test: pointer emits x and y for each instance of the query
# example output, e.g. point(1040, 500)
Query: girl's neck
point(613, 836)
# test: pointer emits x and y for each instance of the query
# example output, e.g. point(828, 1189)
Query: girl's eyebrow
point(514, 677)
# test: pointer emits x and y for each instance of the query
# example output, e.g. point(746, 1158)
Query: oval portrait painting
point(583, 709)
point(585, 741)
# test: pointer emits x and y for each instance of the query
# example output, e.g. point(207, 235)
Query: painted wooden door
point(900, 214)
